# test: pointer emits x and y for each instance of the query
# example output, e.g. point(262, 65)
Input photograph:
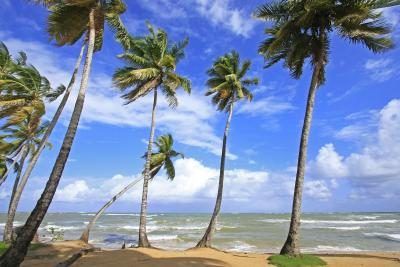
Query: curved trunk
point(291, 246)
point(56, 116)
point(85, 235)
point(18, 249)
point(15, 196)
point(143, 240)
point(4, 177)
point(206, 239)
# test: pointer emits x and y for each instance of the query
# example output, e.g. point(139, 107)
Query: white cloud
point(317, 189)
point(190, 123)
point(74, 192)
point(380, 69)
point(193, 181)
point(328, 163)
point(265, 106)
point(375, 170)
point(221, 12)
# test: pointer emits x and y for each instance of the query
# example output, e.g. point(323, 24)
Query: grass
point(3, 247)
point(33, 246)
point(299, 261)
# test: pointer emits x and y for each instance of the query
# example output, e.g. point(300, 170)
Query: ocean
point(333, 232)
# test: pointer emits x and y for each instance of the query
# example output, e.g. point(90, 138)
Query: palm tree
point(23, 92)
point(151, 66)
point(162, 158)
point(300, 32)
point(68, 23)
point(25, 136)
point(227, 84)
point(7, 162)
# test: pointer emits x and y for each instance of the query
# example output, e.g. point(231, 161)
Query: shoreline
point(53, 253)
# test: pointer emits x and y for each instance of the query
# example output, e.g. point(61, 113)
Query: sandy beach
point(57, 252)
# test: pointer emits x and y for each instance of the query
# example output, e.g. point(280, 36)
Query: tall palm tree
point(151, 63)
point(162, 158)
point(68, 22)
point(301, 31)
point(25, 136)
point(227, 84)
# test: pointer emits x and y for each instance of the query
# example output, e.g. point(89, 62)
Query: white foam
point(241, 246)
point(393, 237)
point(349, 228)
point(322, 248)
point(349, 221)
point(59, 227)
point(275, 220)
point(162, 237)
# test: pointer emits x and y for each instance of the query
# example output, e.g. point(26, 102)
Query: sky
point(354, 148)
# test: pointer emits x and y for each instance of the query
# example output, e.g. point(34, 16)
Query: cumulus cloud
point(194, 181)
point(375, 170)
point(221, 12)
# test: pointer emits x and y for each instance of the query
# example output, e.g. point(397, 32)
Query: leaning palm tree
point(228, 84)
point(301, 31)
point(69, 21)
point(162, 158)
point(25, 136)
point(151, 66)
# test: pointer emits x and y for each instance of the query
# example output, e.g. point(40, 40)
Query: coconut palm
point(301, 31)
point(68, 22)
point(162, 158)
point(25, 136)
point(151, 63)
point(227, 84)
point(23, 91)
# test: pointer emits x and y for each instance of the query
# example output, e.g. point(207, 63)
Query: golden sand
point(139, 257)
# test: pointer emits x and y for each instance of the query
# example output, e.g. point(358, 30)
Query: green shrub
point(298, 261)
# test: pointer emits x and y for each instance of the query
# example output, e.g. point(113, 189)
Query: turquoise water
point(334, 232)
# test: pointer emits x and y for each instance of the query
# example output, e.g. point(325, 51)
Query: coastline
point(56, 252)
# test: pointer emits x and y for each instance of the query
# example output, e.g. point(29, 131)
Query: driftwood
point(76, 256)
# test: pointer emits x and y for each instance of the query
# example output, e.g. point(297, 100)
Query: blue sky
point(354, 151)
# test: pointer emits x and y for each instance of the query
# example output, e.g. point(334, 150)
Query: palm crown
point(301, 30)
point(228, 82)
point(23, 89)
point(152, 63)
point(69, 20)
point(163, 157)
point(26, 133)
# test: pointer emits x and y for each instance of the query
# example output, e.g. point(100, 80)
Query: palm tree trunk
point(291, 246)
point(15, 196)
point(206, 239)
point(18, 249)
point(56, 116)
point(4, 177)
point(85, 235)
point(143, 240)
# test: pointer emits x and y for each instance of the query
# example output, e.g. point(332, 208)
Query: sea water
point(333, 232)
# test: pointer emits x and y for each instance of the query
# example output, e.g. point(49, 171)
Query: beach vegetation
point(302, 260)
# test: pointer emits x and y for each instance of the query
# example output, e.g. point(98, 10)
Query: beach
point(58, 252)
